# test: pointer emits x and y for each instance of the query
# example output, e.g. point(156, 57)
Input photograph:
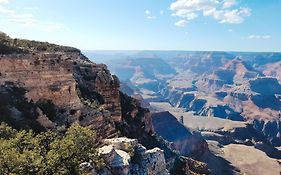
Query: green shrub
point(23, 152)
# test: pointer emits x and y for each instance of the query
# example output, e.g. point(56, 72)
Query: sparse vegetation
point(23, 152)
point(10, 46)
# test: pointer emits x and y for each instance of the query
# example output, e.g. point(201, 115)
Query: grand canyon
point(144, 87)
point(208, 104)
point(187, 112)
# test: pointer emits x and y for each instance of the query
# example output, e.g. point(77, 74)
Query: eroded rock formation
point(125, 156)
point(53, 86)
point(78, 89)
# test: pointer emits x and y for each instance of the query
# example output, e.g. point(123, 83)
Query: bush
point(23, 152)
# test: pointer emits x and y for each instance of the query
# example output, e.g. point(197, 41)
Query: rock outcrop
point(125, 156)
point(78, 89)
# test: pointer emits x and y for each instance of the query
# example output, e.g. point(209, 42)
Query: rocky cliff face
point(59, 77)
point(45, 76)
point(77, 89)
point(63, 86)
point(50, 87)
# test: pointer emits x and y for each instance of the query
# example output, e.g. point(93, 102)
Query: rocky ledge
point(124, 156)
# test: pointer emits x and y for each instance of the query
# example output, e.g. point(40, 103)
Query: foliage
point(23, 152)
point(9, 46)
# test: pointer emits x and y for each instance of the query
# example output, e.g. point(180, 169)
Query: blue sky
point(229, 25)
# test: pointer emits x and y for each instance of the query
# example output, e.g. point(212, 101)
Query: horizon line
point(172, 50)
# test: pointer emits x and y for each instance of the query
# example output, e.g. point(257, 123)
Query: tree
point(23, 152)
point(74, 148)
point(18, 153)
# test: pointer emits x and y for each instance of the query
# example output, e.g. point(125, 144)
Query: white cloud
point(147, 12)
point(230, 30)
point(5, 10)
point(185, 14)
point(32, 8)
point(181, 23)
point(228, 4)
point(259, 37)
point(161, 12)
point(221, 10)
point(4, 2)
point(235, 16)
point(193, 5)
point(26, 19)
point(151, 17)
point(23, 19)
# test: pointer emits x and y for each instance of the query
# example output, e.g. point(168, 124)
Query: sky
point(203, 25)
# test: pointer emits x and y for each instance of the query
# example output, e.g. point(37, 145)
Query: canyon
point(212, 101)
point(50, 87)
point(163, 112)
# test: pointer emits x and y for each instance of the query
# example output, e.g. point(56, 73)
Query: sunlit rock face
point(45, 76)
point(67, 87)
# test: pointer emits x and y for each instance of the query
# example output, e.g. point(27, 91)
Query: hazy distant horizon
point(106, 56)
point(225, 51)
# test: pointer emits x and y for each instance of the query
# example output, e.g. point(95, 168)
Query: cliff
point(77, 89)
point(50, 87)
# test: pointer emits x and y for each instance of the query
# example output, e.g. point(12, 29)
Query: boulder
point(117, 160)
point(125, 156)
point(149, 162)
